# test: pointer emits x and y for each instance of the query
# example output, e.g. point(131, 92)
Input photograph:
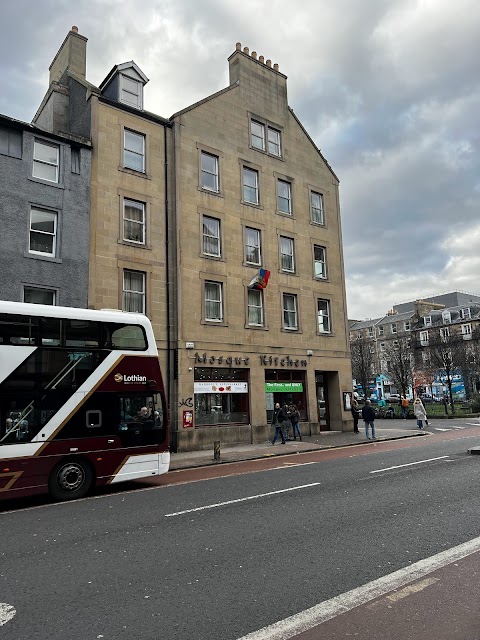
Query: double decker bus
point(82, 402)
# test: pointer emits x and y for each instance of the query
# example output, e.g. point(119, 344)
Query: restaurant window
point(221, 396)
point(285, 386)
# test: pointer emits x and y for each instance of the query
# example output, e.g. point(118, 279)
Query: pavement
point(325, 440)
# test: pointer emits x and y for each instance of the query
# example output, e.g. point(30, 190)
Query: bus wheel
point(70, 479)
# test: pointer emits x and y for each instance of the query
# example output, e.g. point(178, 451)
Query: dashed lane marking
point(409, 464)
point(260, 495)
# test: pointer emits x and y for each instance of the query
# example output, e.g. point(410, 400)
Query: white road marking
point(409, 464)
point(473, 424)
point(310, 618)
point(6, 613)
point(222, 504)
point(439, 429)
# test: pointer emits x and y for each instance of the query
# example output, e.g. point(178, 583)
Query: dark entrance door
point(322, 401)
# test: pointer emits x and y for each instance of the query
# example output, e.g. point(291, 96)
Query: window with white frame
point(274, 142)
point(37, 295)
point(290, 316)
point(253, 249)
point(43, 232)
point(424, 338)
point(465, 314)
point(134, 295)
point(134, 151)
point(316, 208)
point(131, 91)
point(320, 259)
point(396, 344)
point(211, 236)
point(380, 330)
point(287, 258)
point(444, 333)
point(382, 346)
point(255, 308)
point(427, 321)
point(370, 332)
point(446, 317)
point(323, 315)
point(46, 161)
point(133, 221)
point(407, 325)
point(394, 328)
point(213, 302)
point(209, 172)
point(257, 135)
point(467, 331)
point(284, 196)
point(250, 186)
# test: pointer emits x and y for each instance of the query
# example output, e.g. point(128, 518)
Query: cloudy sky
point(388, 89)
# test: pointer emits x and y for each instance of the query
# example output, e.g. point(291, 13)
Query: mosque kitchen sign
point(263, 360)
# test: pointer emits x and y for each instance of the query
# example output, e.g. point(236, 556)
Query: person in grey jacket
point(368, 415)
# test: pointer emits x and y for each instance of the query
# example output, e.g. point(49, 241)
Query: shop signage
point(292, 387)
point(265, 361)
point(220, 387)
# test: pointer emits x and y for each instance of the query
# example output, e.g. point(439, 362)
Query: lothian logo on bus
point(134, 378)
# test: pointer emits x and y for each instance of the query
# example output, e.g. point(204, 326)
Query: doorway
point(322, 401)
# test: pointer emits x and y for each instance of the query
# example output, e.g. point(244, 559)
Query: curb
point(214, 463)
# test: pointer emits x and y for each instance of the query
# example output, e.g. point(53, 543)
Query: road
point(224, 557)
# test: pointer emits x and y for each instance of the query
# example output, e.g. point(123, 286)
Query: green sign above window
point(285, 387)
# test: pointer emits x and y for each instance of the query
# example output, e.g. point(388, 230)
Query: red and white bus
point(82, 400)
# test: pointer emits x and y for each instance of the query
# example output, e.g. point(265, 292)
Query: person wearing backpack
point(368, 415)
point(277, 420)
point(404, 405)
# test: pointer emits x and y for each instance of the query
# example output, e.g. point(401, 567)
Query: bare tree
point(445, 354)
point(470, 365)
point(362, 362)
point(399, 355)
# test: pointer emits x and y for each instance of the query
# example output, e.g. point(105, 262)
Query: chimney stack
point(72, 56)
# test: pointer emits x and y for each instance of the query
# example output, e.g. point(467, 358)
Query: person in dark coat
point(355, 409)
point(294, 418)
point(368, 415)
point(277, 420)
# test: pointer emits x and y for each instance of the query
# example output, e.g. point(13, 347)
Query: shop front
point(221, 396)
point(285, 387)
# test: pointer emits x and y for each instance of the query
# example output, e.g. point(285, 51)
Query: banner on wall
point(220, 387)
point(283, 387)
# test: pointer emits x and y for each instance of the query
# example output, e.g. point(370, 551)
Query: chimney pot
point(245, 50)
point(254, 55)
point(238, 46)
point(74, 29)
point(262, 59)
point(269, 63)
point(275, 66)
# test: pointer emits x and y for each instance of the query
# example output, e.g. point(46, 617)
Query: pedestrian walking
point(445, 403)
point(404, 406)
point(420, 413)
point(355, 409)
point(368, 415)
point(294, 418)
point(276, 422)
point(286, 423)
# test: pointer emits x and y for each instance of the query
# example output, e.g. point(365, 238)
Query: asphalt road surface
point(224, 557)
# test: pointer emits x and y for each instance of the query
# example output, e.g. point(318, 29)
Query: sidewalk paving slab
point(325, 440)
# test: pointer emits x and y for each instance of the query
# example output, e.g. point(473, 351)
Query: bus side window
point(19, 330)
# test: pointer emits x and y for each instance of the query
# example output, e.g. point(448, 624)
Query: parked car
point(394, 398)
point(426, 398)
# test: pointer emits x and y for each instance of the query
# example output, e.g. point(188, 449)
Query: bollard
point(216, 450)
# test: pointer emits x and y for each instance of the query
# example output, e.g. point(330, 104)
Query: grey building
point(44, 208)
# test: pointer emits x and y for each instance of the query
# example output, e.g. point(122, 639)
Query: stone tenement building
point(185, 212)
point(44, 208)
